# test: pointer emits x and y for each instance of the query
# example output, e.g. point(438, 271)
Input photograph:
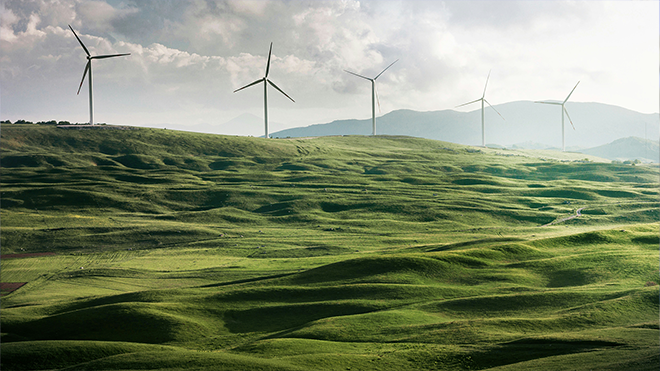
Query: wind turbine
point(373, 95)
point(483, 99)
point(88, 67)
point(563, 109)
point(265, 81)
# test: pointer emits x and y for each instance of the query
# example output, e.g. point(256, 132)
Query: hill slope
point(595, 124)
point(168, 250)
point(631, 148)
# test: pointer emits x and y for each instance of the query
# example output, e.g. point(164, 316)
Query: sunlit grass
point(190, 251)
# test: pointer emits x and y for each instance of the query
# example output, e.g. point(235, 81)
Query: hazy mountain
point(525, 122)
point(631, 148)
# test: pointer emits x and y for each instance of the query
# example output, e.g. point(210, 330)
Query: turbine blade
point(377, 99)
point(569, 95)
point(84, 74)
point(494, 109)
point(465, 104)
point(268, 63)
point(355, 74)
point(250, 84)
point(569, 117)
point(485, 86)
point(108, 56)
point(280, 90)
point(385, 69)
point(81, 43)
point(555, 103)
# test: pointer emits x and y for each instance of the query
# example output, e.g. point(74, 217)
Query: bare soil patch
point(9, 287)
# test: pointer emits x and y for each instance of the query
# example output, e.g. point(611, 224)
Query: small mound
point(589, 238)
point(519, 252)
point(303, 252)
point(51, 354)
point(647, 240)
point(282, 317)
point(294, 167)
point(379, 326)
point(139, 161)
point(475, 181)
point(130, 322)
point(562, 193)
point(180, 359)
point(524, 304)
point(381, 269)
point(335, 207)
point(31, 161)
point(617, 194)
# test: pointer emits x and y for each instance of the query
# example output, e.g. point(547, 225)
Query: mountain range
point(525, 124)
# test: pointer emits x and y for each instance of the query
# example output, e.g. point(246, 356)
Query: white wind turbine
point(266, 82)
point(373, 95)
point(563, 109)
point(483, 99)
point(88, 67)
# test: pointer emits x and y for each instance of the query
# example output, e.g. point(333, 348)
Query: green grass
point(181, 251)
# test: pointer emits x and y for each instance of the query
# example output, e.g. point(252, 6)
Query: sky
point(187, 58)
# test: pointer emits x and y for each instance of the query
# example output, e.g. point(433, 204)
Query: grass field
point(176, 250)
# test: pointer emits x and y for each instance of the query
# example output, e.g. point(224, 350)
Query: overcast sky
point(187, 57)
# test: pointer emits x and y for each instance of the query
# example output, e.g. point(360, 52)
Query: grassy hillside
point(174, 250)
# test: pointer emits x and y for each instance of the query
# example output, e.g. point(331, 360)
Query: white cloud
point(7, 20)
point(188, 56)
point(99, 15)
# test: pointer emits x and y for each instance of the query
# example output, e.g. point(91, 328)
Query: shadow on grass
point(529, 349)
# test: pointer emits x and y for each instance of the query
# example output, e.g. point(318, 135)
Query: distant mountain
point(595, 124)
point(631, 148)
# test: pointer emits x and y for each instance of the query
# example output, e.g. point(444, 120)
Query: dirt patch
point(9, 287)
point(28, 255)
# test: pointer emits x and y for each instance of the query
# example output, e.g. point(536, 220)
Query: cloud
point(191, 55)
point(7, 20)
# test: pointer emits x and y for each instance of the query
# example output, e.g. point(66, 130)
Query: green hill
point(166, 250)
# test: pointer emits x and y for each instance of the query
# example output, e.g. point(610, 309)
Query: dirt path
point(578, 213)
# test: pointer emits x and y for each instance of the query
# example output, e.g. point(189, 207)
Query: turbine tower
point(483, 99)
point(266, 82)
point(563, 109)
point(88, 67)
point(374, 95)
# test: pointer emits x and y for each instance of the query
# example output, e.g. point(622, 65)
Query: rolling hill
point(595, 124)
point(166, 250)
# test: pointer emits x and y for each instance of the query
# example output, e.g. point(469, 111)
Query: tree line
point(51, 122)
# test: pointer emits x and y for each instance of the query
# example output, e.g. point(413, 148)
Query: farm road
point(578, 213)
